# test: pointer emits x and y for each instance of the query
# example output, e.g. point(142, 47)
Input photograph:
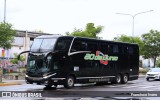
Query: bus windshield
point(43, 45)
point(38, 64)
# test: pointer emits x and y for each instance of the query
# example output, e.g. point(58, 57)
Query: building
point(22, 42)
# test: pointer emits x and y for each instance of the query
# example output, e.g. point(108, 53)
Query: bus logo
point(101, 57)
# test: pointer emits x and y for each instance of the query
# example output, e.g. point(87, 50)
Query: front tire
point(69, 82)
point(147, 79)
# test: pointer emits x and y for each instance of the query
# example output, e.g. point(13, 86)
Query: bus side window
point(135, 50)
point(79, 46)
point(76, 46)
point(103, 48)
point(92, 47)
point(120, 49)
point(124, 49)
point(115, 48)
point(130, 50)
point(110, 49)
point(61, 45)
point(84, 46)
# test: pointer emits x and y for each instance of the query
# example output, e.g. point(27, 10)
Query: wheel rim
point(118, 79)
point(70, 82)
point(125, 78)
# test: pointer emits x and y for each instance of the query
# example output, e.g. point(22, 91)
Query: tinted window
point(103, 48)
point(115, 49)
point(79, 46)
point(120, 49)
point(130, 50)
point(61, 45)
point(92, 47)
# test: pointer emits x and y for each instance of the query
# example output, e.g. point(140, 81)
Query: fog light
point(55, 80)
point(46, 82)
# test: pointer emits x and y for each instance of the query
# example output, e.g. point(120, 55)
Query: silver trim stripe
point(95, 77)
point(133, 75)
point(57, 78)
point(69, 51)
point(70, 46)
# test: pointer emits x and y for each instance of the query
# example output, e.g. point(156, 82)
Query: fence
point(13, 77)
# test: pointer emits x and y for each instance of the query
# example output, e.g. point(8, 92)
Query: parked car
point(153, 73)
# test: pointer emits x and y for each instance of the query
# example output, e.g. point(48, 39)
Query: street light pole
point(4, 11)
point(133, 17)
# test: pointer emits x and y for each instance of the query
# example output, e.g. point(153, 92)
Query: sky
point(61, 16)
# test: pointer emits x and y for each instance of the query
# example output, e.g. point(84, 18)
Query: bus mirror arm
point(47, 55)
point(18, 57)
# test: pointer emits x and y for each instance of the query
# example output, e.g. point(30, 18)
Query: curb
point(141, 76)
point(10, 83)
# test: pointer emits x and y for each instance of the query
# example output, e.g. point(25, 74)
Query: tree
point(158, 62)
point(151, 45)
point(90, 31)
point(7, 34)
point(130, 39)
point(15, 59)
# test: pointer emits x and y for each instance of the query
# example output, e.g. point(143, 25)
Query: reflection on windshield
point(43, 44)
point(38, 65)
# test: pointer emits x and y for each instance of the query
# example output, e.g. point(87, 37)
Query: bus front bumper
point(46, 80)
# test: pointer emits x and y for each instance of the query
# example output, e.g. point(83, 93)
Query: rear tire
point(118, 79)
point(124, 79)
point(69, 82)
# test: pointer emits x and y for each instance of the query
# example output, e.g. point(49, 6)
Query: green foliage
point(15, 59)
point(90, 31)
point(140, 63)
point(130, 39)
point(151, 45)
point(7, 34)
point(158, 62)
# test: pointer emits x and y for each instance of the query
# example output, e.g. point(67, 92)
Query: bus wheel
point(118, 79)
point(69, 82)
point(125, 79)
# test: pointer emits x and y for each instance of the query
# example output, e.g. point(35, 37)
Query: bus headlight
point(26, 75)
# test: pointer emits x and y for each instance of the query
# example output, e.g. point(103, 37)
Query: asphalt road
point(90, 91)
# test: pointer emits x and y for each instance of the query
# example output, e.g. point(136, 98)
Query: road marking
point(148, 86)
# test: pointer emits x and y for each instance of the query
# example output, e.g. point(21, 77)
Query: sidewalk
point(6, 82)
point(142, 76)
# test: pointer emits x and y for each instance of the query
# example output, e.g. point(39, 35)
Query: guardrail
point(13, 77)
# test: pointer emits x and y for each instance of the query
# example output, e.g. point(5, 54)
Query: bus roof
point(93, 39)
point(48, 36)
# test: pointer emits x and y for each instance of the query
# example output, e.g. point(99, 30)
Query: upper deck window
point(43, 45)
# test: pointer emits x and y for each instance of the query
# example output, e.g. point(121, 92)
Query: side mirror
point(18, 57)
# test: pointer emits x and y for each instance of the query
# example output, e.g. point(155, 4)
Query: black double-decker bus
point(66, 60)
